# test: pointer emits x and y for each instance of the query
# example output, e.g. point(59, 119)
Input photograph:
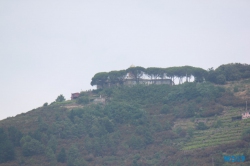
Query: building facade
point(74, 95)
point(132, 82)
point(245, 115)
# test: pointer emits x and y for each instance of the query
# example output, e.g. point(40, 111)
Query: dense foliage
point(136, 73)
point(60, 98)
point(7, 151)
point(228, 72)
point(136, 125)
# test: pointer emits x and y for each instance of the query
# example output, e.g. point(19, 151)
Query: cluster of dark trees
point(227, 72)
point(136, 73)
point(9, 139)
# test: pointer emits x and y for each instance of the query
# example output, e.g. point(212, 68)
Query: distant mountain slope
point(186, 124)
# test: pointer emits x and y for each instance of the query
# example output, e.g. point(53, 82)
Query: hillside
point(180, 125)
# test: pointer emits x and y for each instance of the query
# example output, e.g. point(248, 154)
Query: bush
point(52, 143)
point(83, 100)
point(74, 157)
point(148, 138)
point(61, 157)
point(201, 126)
point(122, 112)
point(220, 79)
point(236, 89)
point(14, 135)
point(7, 152)
point(246, 135)
point(109, 126)
point(60, 98)
point(218, 124)
point(135, 142)
point(167, 125)
point(51, 157)
point(190, 132)
point(165, 109)
point(230, 100)
point(31, 146)
point(212, 112)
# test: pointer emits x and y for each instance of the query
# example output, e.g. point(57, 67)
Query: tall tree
point(199, 74)
point(189, 72)
point(171, 73)
point(153, 72)
point(7, 152)
point(100, 79)
point(14, 135)
point(121, 76)
point(60, 98)
point(136, 72)
point(74, 157)
point(180, 72)
point(117, 76)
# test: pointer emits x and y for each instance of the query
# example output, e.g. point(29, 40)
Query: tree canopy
point(138, 72)
point(227, 72)
point(60, 98)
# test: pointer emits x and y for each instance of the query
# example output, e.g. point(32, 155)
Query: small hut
point(74, 95)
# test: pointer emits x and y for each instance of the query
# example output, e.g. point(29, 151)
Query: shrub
point(220, 79)
point(189, 111)
point(61, 157)
point(201, 126)
point(31, 146)
point(14, 135)
point(212, 112)
point(122, 112)
point(97, 130)
point(51, 157)
point(230, 100)
point(183, 133)
point(167, 125)
point(60, 98)
point(190, 132)
point(218, 124)
point(83, 100)
point(246, 135)
point(74, 157)
point(236, 89)
point(109, 126)
point(165, 109)
point(140, 130)
point(135, 142)
point(53, 143)
point(148, 139)
point(7, 152)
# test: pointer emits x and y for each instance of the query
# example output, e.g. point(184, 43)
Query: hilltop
point(186, 124)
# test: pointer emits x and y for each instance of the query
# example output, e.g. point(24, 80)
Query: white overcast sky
point(53, 47)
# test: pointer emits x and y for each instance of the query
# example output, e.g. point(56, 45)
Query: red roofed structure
point(74, 95)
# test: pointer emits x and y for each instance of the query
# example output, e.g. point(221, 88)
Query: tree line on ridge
point(227, 72)
point(136, 73)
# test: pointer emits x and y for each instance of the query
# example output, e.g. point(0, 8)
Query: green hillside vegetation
point(143, 125)
point(228, 72)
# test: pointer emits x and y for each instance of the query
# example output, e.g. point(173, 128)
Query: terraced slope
point(228, 132)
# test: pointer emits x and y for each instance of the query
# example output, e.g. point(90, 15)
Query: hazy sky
point(48, 48)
